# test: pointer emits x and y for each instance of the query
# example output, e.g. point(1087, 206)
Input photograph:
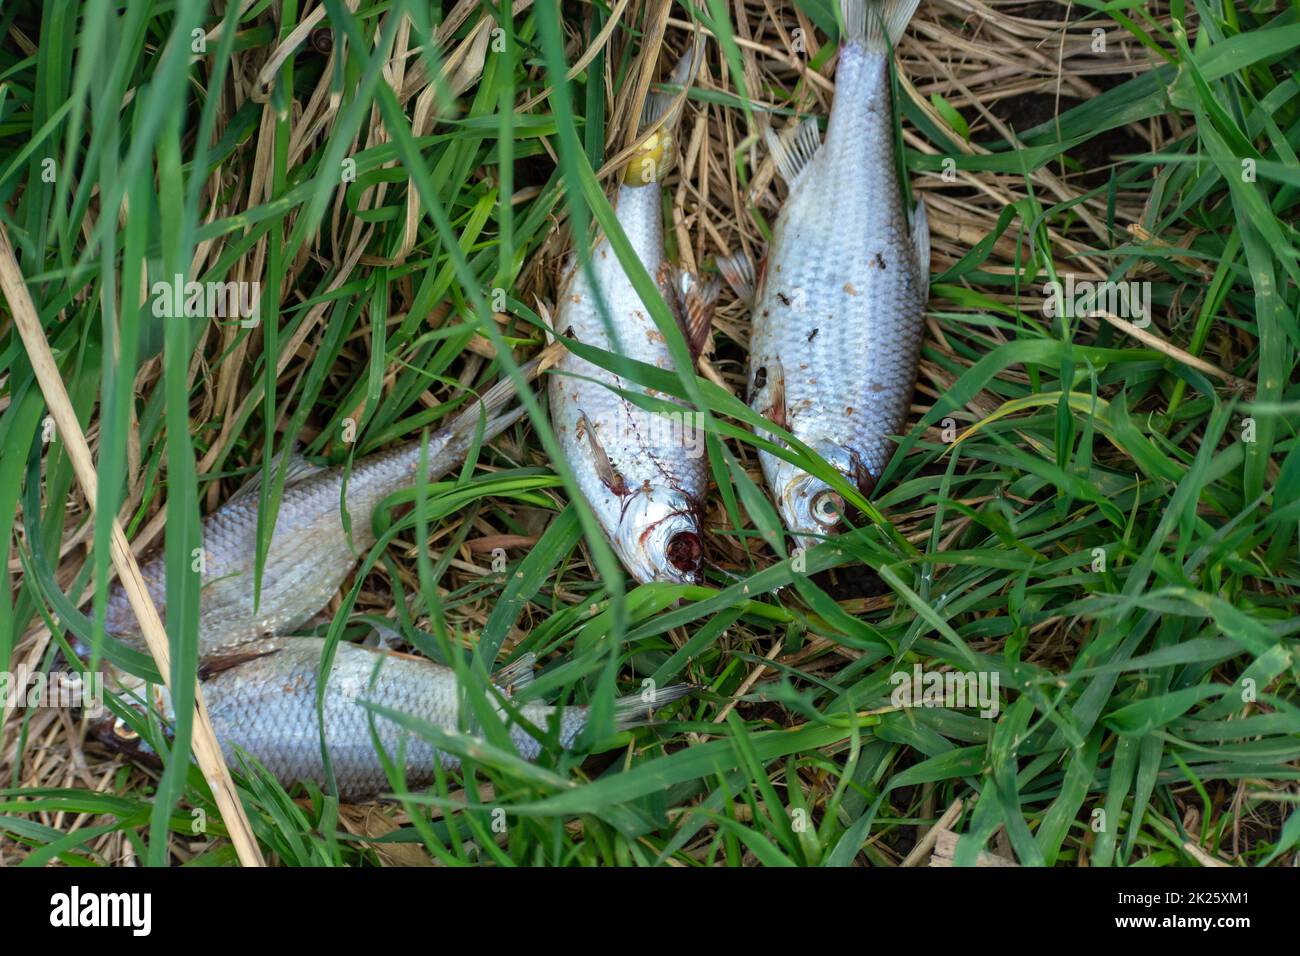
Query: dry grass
point(1005, 66)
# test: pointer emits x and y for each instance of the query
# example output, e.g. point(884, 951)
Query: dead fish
point(838, 307)
point(310, 554)
point(644, 474)
point(262, 702)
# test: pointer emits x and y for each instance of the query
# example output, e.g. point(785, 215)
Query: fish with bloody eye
point(643, 473)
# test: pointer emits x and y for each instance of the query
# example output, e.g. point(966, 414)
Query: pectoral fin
point(605, 471)
point(774, 410)
point(210, 667)
point(862, 476)
point(794, 149)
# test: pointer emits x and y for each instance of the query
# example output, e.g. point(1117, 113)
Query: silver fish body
point(644, 474)
point(310, 553)
point(265, 707)
point(838, 314)
point(647, 497)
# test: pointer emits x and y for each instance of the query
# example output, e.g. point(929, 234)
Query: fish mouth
point(661, 541)
point(115, 735)
point(685, 552)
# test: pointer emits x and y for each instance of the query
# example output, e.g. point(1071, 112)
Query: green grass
point(1123, 679)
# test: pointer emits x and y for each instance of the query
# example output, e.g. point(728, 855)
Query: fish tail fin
point(488, 408)
point(659, 104)
point(654, 157)
point(637, 709)
point(876, 24)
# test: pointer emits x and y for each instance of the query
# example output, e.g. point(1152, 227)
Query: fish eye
point(827, 507)
point(122, 730)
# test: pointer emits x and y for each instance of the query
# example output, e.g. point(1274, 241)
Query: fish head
point(117, 734)
point(658, 537)
point(810, 508)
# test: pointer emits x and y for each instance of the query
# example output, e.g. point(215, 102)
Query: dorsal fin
point(298, 468)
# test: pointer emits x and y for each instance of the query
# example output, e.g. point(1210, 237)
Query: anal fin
point(547, 314)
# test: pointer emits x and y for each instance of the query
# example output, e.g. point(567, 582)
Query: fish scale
point(649, 465)
point(838, 312)
point(826, 353)
point(267, 708)
point(310, 554)
point(265, 705)
point(644, 474)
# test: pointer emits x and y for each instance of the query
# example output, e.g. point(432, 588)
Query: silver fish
point(309, 555)
point(838, 308)
point(265, 706)
point(644, 474)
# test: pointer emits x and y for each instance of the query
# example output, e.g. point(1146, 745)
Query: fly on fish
point(262, 702)
point(310, 553)
point(838, 303)
point(643, 473)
